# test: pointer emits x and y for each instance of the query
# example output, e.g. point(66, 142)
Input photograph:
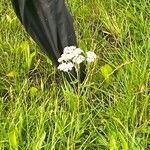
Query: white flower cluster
point(91, 56)
point(66, 67)
point(72, 56)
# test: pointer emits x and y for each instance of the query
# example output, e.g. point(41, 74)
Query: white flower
point(69, 54)
point(70, 66)
point(65, 57)
point(78, 59)
point(77, 51)
point(69, 49)
point(72, 56)
point(91, 56)
point(61, 66)
point(66, 67)
point(72, 47)
point(60, 60)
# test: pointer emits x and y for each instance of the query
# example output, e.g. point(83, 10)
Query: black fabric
point(49, 23)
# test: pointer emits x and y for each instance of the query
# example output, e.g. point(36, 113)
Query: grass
point(37, 111)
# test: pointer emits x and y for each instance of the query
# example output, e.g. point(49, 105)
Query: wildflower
point(69, 49)
point(66, 67)
point(65, 57)
point(72, 56)
point(60, 60)
point(91, 56)
point(78, 59)
point(69, 54)
point(77, 51)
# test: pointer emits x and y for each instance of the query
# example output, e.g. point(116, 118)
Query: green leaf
point(113, 143)
point(106, 71)
point(11, 74)
point(33, 91)
point(123, 141)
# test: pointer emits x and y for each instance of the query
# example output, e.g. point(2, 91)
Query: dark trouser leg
point(49, 23)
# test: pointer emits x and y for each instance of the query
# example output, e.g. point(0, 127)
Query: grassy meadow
point(111, 111)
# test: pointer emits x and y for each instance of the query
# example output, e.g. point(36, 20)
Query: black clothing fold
point(49, 23)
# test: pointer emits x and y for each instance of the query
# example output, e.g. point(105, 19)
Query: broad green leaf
point(33, 91)
point(106, 71)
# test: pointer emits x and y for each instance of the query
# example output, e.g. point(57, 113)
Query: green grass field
point(39, 112)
